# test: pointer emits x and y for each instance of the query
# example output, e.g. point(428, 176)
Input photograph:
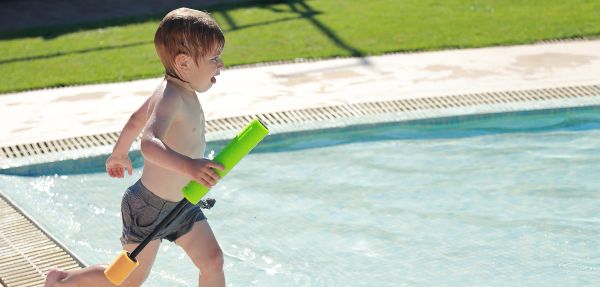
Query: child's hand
point(202, 171)
point(116, 165)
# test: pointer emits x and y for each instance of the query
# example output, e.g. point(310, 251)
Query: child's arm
point(156, 151)
point(119, 161)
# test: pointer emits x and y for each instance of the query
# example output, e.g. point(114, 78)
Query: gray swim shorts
point(142, 211)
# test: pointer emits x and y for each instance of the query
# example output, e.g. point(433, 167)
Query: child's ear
point(182, 62)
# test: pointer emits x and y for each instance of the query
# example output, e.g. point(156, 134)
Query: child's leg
point(94, 275)
point(202, 247)
point(146, 260)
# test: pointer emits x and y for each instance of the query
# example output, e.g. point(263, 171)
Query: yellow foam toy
point(120, 268)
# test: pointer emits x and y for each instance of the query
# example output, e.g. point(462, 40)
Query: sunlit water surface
point(500, 202)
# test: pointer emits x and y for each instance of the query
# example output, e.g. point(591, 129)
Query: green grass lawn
point(123, 50)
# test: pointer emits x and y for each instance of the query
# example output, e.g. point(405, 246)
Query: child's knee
point(213, 261)
point(136, 279)
point(134, 282)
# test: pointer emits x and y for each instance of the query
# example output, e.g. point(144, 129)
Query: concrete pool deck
point(41, 115)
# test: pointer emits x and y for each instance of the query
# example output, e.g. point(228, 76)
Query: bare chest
point(187, 133)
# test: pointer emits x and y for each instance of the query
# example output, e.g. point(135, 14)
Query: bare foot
point(54, 275)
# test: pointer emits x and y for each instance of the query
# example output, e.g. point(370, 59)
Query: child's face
point(202, 75)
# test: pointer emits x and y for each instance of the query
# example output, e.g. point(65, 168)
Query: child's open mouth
point(214, 79)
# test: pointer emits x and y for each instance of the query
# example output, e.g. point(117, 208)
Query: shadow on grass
point(299, 9)
point(82, 51)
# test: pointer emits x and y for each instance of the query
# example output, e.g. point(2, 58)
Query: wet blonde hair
point(186, 31)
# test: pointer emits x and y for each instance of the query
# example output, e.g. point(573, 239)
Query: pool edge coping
point(42, 229)
point(292, 120)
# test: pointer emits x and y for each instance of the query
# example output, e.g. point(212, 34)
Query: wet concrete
point(74, 111)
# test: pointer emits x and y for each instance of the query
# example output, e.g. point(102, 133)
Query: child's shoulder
point(167, 97)
point(166, 91)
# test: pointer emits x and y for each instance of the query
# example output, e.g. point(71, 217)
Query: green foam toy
point(231, 154)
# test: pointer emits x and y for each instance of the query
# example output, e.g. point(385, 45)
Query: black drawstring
point(175, 76)
point(207, 203)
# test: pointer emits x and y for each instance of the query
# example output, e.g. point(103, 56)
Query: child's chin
point(203, 89)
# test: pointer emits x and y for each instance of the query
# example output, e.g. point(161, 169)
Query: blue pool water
point(503, 200)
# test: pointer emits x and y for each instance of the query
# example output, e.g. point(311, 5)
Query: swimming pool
point(496, 200)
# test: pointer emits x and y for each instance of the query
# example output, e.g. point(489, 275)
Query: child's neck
point(180, 83)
